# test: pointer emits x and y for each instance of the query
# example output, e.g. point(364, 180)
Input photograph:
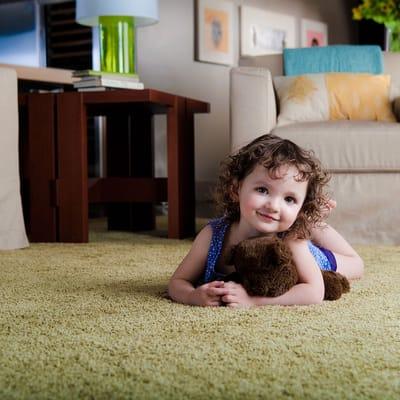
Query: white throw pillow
point(334, 96)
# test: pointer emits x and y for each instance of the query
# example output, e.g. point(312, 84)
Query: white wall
point(166, 62)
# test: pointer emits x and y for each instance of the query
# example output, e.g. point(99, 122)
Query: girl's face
point(270, 204)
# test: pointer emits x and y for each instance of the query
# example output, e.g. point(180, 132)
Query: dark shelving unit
point(68, 44)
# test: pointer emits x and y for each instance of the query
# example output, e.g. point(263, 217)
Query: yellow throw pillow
point(359, 97)
point(333, 96)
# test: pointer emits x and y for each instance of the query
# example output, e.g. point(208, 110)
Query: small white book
point(113, 83)
point(93, 89)
point(90, 74)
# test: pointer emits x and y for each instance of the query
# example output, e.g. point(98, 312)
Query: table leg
point(130, 153)
point(142, 164)
point(181, 193)
point(41, 168)
point(23, 151)
point(73, 168)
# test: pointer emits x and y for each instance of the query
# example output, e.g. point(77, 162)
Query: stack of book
point(90, 80)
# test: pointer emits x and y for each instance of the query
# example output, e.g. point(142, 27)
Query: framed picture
point(264, 32)
point(313, 33)
point(214, 31)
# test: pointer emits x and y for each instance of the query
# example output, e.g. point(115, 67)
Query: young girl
point(270, 186)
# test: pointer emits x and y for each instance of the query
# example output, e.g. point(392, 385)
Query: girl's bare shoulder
point(298, 247)
point(202, 241)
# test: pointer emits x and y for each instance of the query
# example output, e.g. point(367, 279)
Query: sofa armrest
point(252, 105)
point(12, 228)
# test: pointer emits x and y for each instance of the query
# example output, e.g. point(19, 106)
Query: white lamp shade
point(144, 11)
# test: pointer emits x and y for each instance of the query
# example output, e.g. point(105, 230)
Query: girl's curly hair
point(272, 152)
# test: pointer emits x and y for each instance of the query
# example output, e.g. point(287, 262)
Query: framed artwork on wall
point(265, 32)
point(313, 33)
point(214, 31)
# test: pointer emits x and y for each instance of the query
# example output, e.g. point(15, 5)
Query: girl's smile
point(267, 217)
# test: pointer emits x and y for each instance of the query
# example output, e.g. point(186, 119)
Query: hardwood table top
point(121, 96)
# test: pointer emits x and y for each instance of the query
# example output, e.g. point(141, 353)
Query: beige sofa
point(363, 156)
point(12, 228)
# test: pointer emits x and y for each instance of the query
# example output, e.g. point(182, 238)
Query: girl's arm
point(181, 285)
point(309, 290)
point(349, 263)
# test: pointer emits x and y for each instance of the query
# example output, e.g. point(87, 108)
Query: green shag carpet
point(90, 321)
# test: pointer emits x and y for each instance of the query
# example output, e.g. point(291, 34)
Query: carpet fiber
point(90, 321)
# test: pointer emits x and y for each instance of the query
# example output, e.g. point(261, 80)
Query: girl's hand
point(237, 296)
point(208, 294)
point(330, 205)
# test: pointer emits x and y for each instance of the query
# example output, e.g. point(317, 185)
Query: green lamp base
point(117, 49)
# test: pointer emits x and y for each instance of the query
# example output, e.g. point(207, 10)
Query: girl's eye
point(262, 190)
point(290, 200)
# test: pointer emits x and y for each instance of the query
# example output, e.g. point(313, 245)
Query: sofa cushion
point(349, 145)
point(333, 96)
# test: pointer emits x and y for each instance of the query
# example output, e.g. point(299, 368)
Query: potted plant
point(385, 12)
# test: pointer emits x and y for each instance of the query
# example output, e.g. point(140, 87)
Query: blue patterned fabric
point(219, 227)
point(339, 58)
point(324, 258)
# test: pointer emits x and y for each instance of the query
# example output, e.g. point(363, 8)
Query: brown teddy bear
point(264, 267)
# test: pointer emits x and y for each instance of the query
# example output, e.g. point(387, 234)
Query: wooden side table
point(130, 178)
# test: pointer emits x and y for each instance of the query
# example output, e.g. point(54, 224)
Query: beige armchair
point(363, 156)
point(12, 229)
